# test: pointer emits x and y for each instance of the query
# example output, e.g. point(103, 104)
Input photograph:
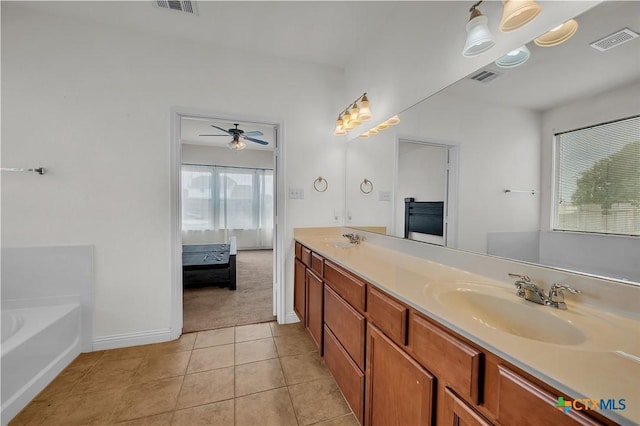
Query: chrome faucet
point(526, 289)
point(354, 238)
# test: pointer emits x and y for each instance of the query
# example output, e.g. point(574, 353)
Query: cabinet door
point(398, 390)
point(458, 413)
point(314, 318)
point(299, 288)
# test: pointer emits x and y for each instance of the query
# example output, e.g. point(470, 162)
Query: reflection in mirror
point(498, 136)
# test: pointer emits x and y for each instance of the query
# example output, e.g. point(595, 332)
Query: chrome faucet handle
point(524, 278)
point(556, 296)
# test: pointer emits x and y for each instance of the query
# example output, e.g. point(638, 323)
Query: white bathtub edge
point(131, 339)
point(29, 391)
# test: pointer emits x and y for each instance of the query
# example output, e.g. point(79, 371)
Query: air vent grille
point(485, 76)
point(185, 6)
point(614, 40)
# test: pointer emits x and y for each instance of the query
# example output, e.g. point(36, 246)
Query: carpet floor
point(207, 308)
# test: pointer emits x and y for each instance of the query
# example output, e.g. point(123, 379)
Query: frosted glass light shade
point(236, 145)
point(479, 38)
point(514, 58)
point(365, 111)
point(558, 35)
point(517, 13)
point(339, 127)
point(393, 120)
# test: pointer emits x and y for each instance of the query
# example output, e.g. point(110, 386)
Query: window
point(232, 200)
point(598, 179)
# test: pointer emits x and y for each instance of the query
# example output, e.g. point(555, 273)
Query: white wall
point(604, 255)
point(93, 106)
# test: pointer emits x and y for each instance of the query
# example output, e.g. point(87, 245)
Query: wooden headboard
point(425, 217)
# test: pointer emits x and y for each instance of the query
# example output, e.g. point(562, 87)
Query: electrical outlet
point(384, 195)
point(297, 193)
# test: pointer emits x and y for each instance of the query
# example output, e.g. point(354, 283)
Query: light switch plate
point(384, 195)
point(297, 193)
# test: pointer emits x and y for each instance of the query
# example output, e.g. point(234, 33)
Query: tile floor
point(261, 374)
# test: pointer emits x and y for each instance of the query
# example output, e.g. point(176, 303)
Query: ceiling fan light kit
point(239, 136)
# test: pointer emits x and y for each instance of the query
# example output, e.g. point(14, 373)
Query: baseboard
point(131, 339)
point(291, 318)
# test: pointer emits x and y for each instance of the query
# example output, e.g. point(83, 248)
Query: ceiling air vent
point(614, 40)
point(185, 6)
point(485, 76)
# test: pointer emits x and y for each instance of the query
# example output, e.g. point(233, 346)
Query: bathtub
point(37, 344)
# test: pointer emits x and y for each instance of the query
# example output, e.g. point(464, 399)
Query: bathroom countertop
point(606, 365)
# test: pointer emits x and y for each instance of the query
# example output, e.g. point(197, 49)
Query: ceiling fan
point(238, 134)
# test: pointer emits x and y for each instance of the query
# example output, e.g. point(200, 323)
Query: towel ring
point(320, 184)
point(366, 183)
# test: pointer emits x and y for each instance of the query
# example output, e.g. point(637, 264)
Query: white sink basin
point(514, 317)
point(340, 243)
point(482, 306)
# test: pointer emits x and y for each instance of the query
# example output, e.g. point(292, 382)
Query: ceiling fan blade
point(255, 140)
point(214, 135)
point(254, 133)
point(220, 128)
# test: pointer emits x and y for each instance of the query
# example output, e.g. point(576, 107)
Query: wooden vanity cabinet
point(399, 391)
point(314, 315)
point(299, 290)
point(457, 412)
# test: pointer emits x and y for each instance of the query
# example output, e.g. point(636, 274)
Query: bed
point(209, 265)
point(424, 217)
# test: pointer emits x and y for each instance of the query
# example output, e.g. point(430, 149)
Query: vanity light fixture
point(479, 38)
point(517, 13)
point(558, 35)
point(514, 58)
point(353, 115)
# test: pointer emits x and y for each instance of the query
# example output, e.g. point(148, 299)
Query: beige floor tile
point(183, 343)
point(163, 419)
point(252, 332)
point(286, 329)
point(148, 399)
point(206, 387)
point(294, 344)
point(86, 359)
point(162, 366)
point(95, 408)
point(62, 385)
point(35, 413)
point(265, 408)
point(211, 358)
point(348, 420)
point(125, 353)
point(216, 414)
point(258, 377)
point(303, 368)
point(220, 336)
point(317, 401)
point(108, 375)
point(255, 350)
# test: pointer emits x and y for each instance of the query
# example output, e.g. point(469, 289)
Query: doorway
point(221, 195)
point(426, 172)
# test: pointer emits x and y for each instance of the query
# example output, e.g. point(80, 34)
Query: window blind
point(598, 178)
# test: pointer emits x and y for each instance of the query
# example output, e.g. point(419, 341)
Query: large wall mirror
point(484, 148)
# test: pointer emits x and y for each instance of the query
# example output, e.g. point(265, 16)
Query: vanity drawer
point(305, 256)
point(388, 315)
point(317, 264)
point(522, 402)
point(346, 285)
point(453, 361)
point(348, 376)
point(347, 325)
